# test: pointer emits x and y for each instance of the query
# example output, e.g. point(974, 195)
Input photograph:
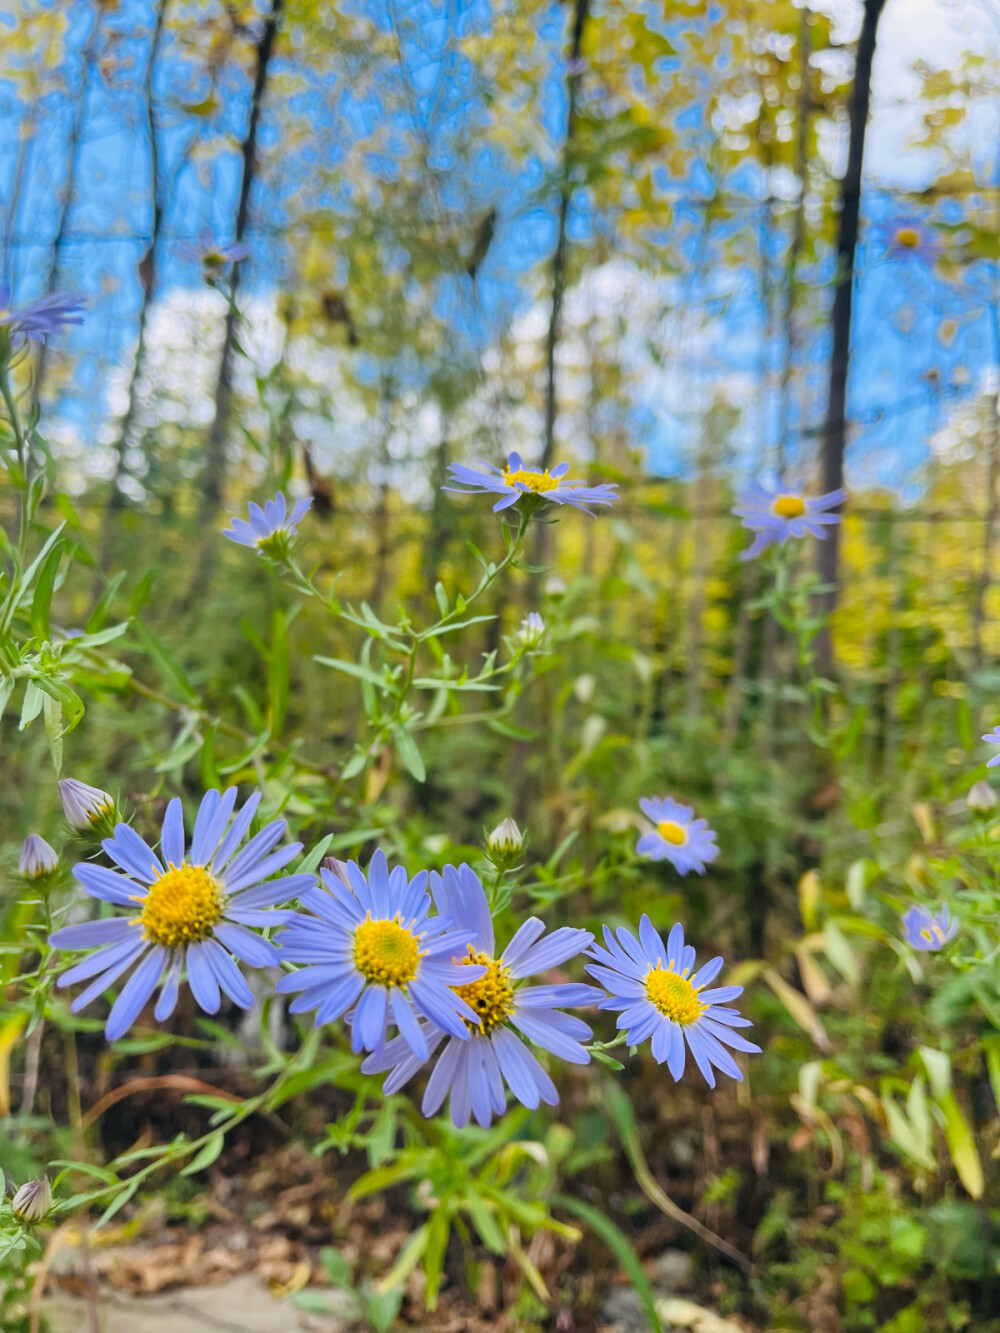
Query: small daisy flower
point(776, 515)
point(270, 529)
point(928, 931)
point(375, 943)
point(211, 256)
point(531, 631)
point(907, 237)
point(475, 1071)
point(661, 999)
point(84, 806)
point(41, 318)
point(536, 487)
point(687, 843)
point(189, 910)
point(38, 859)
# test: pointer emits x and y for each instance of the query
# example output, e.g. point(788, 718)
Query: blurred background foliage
point(598, 231)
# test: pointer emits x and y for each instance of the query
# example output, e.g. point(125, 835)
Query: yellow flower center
point(535, 481)
point(386, 952)
point(908, 237)
point(182, 906)
point(491, 997)
point(676, 834)
point(789, 506)
point(674, 996)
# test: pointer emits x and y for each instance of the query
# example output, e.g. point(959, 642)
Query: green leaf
point(54, 731)
point(962, 1145)
point(141, 591)
point(168, 670)
point(484, 1222)
point(278, 675)
point(338, 1266)
point(41, 601)
point(438, 1231)
point(31, 705)
point(97, 617)
point(354, 669)
point(409, 752)
point(620, 1246)
point(207, 1155)
point(382, 1307)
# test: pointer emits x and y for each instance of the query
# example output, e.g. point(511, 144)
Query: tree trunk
point(835, 427)
point(573, 73)
point(215, 448)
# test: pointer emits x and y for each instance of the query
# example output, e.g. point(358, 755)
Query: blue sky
point(906, 376)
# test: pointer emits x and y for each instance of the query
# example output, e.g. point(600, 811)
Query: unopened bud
point(532, 630)
point(555, 586)
point(32, 1202)
point(38, 859)
point(506, 840)
point(981, 797)
point(84, 806)
point(337, 868)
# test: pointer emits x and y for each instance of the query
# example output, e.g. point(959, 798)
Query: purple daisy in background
point(905, 236)
point(664, 1000)
point(775, 515)
point(375, 943)
point(41, 318)
point(475, 1071)
point(993, 738)
point(271, 529)
point(211, 255)
point(928, 931)
point(189, 912)
point(515, 482)
point(687, 843)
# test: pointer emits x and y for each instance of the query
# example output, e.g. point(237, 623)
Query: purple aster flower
point(776, 515)
point(531, 631)
point(374, 942)
point(993, 738)
point(270, 529)
point(212, 256)
point(188, 912)
point(687, 843)
point(475, 1071)
point(907, 237)
point(515, 482)
point(928, 931)
point(40, 318)
point(661, 999)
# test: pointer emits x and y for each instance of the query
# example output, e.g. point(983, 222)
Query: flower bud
point(981, 797)
point(337, 868)
point(84, 806)
point(555, 586)
point(38, 859)
point(506, 840)
point(532, 630)
point(32, 1202)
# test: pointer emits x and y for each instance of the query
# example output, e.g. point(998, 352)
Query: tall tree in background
point(835, 427)
point(215, 449)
